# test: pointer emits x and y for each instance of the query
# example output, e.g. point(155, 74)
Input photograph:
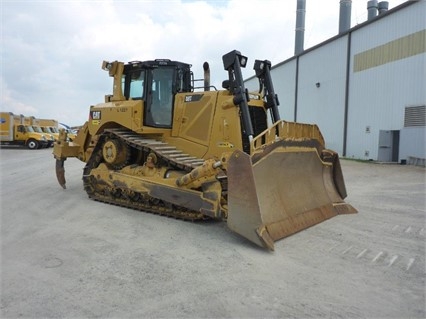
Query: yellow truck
point(71, 131)
point(52, 127)
point(17, 130)
point(51, 137)
point(49, 126)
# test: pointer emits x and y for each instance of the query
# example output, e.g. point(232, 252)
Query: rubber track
point(174, 158)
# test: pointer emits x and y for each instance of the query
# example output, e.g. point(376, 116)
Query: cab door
point(20, 133)
point(159, 101)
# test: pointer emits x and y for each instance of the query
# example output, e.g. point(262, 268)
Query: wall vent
point(415, 116)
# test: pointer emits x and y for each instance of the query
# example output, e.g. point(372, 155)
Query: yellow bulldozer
point(161, 144)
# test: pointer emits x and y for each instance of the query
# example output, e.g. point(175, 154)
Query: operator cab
point(156, 83)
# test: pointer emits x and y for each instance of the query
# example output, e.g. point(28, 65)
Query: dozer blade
point(282, 191)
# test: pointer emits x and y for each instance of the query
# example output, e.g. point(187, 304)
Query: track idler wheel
point(115, 153)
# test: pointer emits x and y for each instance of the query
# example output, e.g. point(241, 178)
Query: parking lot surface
point(66, 256)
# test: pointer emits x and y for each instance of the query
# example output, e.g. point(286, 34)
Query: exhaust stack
point(345, 15)
point(206, 69)
point(300, 27)
point(383, 6)
point(372, 8)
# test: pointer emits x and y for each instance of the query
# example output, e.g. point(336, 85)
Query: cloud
point(52, 51)
point(17, 106)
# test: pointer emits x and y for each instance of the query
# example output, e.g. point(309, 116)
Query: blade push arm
point(263, 73)
point(233, 62)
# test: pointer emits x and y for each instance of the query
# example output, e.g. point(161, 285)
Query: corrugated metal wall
point(413, 135)
point(385, 74)
point(284, 85)
point(321, 94)
point(287, 85)
point(412, 142)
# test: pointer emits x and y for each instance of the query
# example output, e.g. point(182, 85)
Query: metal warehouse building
point(365, 87)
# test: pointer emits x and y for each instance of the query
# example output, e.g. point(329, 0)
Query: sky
point(52, 50)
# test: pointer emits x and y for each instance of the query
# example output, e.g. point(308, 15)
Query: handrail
point(286, 130)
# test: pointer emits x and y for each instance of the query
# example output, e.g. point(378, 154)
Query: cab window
point(162, 96)
point(136, 86)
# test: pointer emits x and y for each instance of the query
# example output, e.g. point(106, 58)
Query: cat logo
point(95, 117)
point(193, 98)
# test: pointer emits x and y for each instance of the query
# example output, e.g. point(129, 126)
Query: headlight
point(229, 59)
